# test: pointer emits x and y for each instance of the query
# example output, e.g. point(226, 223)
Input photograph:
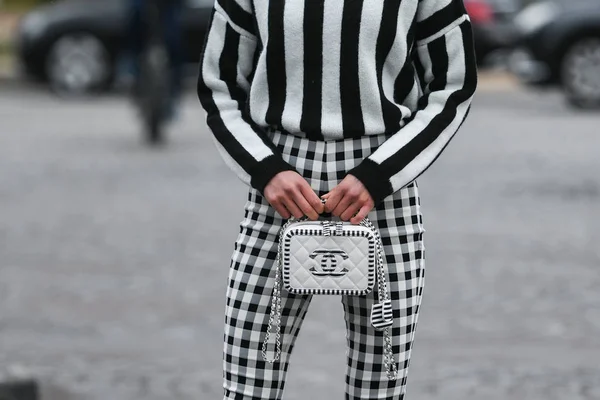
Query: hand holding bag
point(331, 258)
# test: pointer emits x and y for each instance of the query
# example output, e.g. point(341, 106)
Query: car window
point(200, 3)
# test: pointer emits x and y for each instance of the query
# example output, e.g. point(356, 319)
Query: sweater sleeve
point(444, 59)
point(226, 66)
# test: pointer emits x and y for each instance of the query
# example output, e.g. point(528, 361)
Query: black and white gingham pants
point(246, 375)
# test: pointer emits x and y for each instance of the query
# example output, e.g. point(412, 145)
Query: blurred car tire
point(79, 63)
point(580, 72)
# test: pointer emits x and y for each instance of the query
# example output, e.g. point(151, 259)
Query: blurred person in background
point(335, 100)
point(171, 20)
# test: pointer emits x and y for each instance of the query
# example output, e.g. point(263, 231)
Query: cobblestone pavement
point(113, 257)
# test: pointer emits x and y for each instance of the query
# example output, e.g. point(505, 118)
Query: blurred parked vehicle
point(559, 45)
point(77, 45)
point(493, 26)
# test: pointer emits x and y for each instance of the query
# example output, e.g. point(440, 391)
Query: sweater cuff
point(375, 180)
point(266, 169)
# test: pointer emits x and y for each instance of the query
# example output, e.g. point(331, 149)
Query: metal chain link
point(390, 362)
point(275, 316)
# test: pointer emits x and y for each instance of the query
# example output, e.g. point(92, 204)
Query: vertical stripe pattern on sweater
point(334, 69)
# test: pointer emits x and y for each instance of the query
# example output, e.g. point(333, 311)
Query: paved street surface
point(114, 257)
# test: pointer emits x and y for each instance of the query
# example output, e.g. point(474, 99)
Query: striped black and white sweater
point(333, 69)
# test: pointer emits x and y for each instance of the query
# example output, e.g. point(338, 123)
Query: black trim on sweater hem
point(266, 169)
point(371, 175)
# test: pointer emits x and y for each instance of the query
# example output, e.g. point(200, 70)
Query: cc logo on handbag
point(328, 262)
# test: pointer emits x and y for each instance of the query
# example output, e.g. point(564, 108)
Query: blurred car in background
point(493, 25)
point(76, 45)
point(559, 45)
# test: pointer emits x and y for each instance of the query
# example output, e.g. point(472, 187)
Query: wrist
point(374, 179)
point(266, 170)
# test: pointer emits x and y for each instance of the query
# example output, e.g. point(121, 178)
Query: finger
point(280, 208)
point(333, 198)
point(351, 211)
point(343, 205)
point(285, 214)
point(362, 214)
point(290, 204)
point(324, 200)
point(305, 206)
point(312, 198)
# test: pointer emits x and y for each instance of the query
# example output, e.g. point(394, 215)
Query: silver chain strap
point(390, 362)
point(275, 316)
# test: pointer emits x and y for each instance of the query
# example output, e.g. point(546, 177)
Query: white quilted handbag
point(331, 258)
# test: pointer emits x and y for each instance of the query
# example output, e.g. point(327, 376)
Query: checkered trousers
point(246, 375)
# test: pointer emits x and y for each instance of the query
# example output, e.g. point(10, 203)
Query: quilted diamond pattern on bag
point(316, 263)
